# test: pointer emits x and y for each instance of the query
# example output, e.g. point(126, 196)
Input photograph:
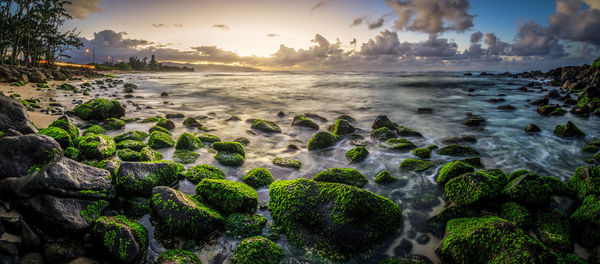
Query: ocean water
point(502, 142)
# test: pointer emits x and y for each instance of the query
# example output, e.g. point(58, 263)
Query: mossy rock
point(129, 155)
point(451, 170)
point(397, 144)
point(137, 207)
point(553, 228)
point(160, 140)
point(131, 144)
point(188, 141)
point(265, 126)
point(185, 156)
point(257, 249)
point(258, 177)
point(61, 136)
point(73, 154)
point(457, 150)
point(131, 135)
point(516, 214)
point(165, 123)
point(383, 134)
point(99, 109)
point(228, 197)
point(149, 154)
point(179, 214)
point(322, 140)
point(437, 224)
point(242, 140)
point(586, 181)
point(303, 121)
point(136, 179)
point(153, 119)
point(383, 121)
point(122, 239)
point(416, 165)
point(160, 129)
point(423, 153)
point(335, 220)
point(177, 256)
point(230, 159)
point(345, 176)
point(590, 149)
point(357, 154)
point(97, 147)
point(586, 220)
point(288, 163)
point(231, 147)
point(94, 129)
point(532, 190)
point(475, 188)
point(554, 110)
point(244, 225)
point(191, 122)
point(114, 124)
point(473, 161)
point(66, 124)
point(384, 177)
point(207, 138)
point(568, 130)
point(342, 127)
point(533, 128)
point(407, 132)
point(204, 171)
point(491, 240)
point(409, 259)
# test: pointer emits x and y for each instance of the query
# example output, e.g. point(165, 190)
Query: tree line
point(30, 31)
point(138, 64)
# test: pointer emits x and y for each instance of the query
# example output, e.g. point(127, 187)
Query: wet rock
point(412, 259)
point(13, 115)
point(130, 135)
point(583, 111)
point(533, 128)
point(177, 257)
point(473, 120)
point(530, 189)
point(9, 253)
point(342, 127)
point(383, 121)
point(568, 130)
point(586, 220)
point(452, 170)
point(416, 165)
point(230, 153)
point(97, 147)
point(397, 144)
point(188, 141)
point(287, 163)
point(506, 107)
point(138, 178)
point(228, 197)
point(383, 134)
point(257, 249)
point(475, 188)
point(302, 121)
point(496, 100)
point(242, 140)
point(357, 154)
point(347, 118)
point(204, 171)
point(552, 94)
point(540, 102)
point(258, 177)
point(280, 114)
point(233, 118)
point(265, 126)
point(547, 110)
point(586, 181)
point(422, 110)
point(160, 140)
point(244, 225)
point(345, 176)
point(124, 240)
point(164, 94)
point(553, 228)
point(316, 117)
point(404, 248)
point(191, 122)
point(99, 109)
point(166, 124)
point(457, 150)
point(459, 139)
point(20, 154)
point(384, 177)
point(407, 132)
point(322, 140)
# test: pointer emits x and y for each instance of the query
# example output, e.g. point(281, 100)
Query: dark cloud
point(476, 37)
point(159, 25)
point(353, 42)
point(221, 26)
point(320, 4)
point(574, 23)
point(112, 39)
point(377, 23)
point(358, 21)
point(81, 9)
point(432, 16)
point(214, 54)
point(536, 40)
point(273, 35)
point(495, 46)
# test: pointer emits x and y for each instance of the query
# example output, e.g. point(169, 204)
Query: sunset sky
point(344, 34)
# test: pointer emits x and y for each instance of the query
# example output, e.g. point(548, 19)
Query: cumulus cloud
point(81, 9)
point(273, 35)
point(158, 25)
point(536, 40)
point(495, 45)
point(476, 37)
point(572, 22)
point(358, 21)
point(320, 4)
point(377, 23)
point(432, 16)
point(221, 26)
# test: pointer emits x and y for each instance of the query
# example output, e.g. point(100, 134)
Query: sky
point(343, 35)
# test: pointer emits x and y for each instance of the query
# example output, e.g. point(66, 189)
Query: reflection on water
point(503, 143)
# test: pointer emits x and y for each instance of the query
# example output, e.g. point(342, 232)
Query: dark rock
point(164, 94)
point(404, 248)
point(568, 130)
point(316, 117)
point(9, 253)
point(533, 128)
point(20, 154)
point(138, 178)
point(421, 110)
point(506, 107)
point(474, 120)
point(383, 121)
point(99, 109)
point(496, 100)
point(280, 114)
point(540, 102)
point(300, 120)
point(342, 127)
point(459, 139)
point(583, 111)
point(13, 115)
point(124, 241)
point(552, 94)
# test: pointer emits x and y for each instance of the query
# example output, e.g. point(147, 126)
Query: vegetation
point(137, 64)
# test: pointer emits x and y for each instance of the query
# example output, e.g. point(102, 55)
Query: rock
point(416, 165)
point(583, 111)
point(130, 135)
point(265, 126)
point(20, 154)
point(552, 94)
point(568, 130)
point(66, 124)
point(228, 197)
point(586, 220)
point(280, 114)
point(383, 121)
point(61, 136)
point(540, 102)
point(35, 76)
point(131, 144)
point(423, 153)
point(345, 176)
point(586, 181)
point(422, 110)
point(99, 109)
point(138, 178)
point(166, 124)
point(32, 258)
point(207, 138)
point(177, 256)
point(159, 129)
point(185, 156)
point(397, 144)
point(258, 177)
point(188, 141)
point(552, 227)
point(204, 171)
point(159, 140)
point(357, 154)
point(230, 159)
point(342, 127)
point(242, 140)
point(408, 259)
point(97, 147)
point(452, 170)
point(459, 139)
point(300, 120)
point(383, 134)
point(475, 188)
point(245, 225)
point(384, 177)
point(179, 214)
point(9, 253)
point(437, 224)
point(288, 163)
point(123, 240)
point(191, 122)
point(164, 94)
point(474, 121)
point(506, 107)
point(533, 128)
point(554, 110)
point(257, 249)
point(174, 115)
point(113, 124)
point(407, 132)
point(595, 256)
point(335, 219)
point(315, 117)
point(530, 189)
point(322, 140)
point(13, 115)
point(230, 153)
point(457, 150)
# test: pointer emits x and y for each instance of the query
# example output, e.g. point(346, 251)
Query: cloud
point(495, 46)
point(214, 54)
point(572, 22)
point(536, 40)
point(432, 16)
point(221, 26)
point(178, 25)
point(81, 9)
point(358, 21)
point(159, 25)
point(272, 35)
point(376, 24)
point(476, 37)
point(320, 4)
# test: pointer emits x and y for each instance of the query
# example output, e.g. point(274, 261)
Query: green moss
point(384, 177)
point(474, 188)
point(258, 177)
point(516, 214)
point(149, 154)
point(303, 121)
point(129, 155)
point(532, 190)
point(153, 119)
point(160, 129)
point(322, 140)
point(188, 141)
point(160, 140)
point(230, 159)
point(552, 227)
point(397, 144)
point(257, 250)
point(451, 170)
point(345, 176)
point(288, 163)
point(233, 147)
point(383, 121)
point(73, 153)
point(590, 149)
point(99, 109)
point(568, 130)
point(244, 225)
point(416, 165)
point(457, 150)
point(177, 256)
point(342, 127)
point(383, 134)
point(207, 138)
point(437, 224)
point(131, 144)
point(554, 110)
point(165, 123)
point(93, 211)
point(357, 154)
point(112, 233)
point(114, 124)
point(42, 85)
point(166, 173)
point(204, 171)
point(265, 126)
point(423, 153)
point(61, 136)
point(66, 87)
point(131, 135)
point(185, 156)
point(97, 146)
point(94, 129)
point(586, 220)
point(65, 124)
point(586, 181)
point(228, 197)
point(407, 132)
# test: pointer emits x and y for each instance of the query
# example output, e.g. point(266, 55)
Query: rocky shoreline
point(71, 194)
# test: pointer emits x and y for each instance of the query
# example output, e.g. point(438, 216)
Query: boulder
point(303, 121)
point(97, 147)
point(345, 176)
point(188, 141)
point(265, 126)
point(13, 115)
point(257, 249)
point(228, 197)
point(322, 140)
point(61, 136)
point(113, 124)
point(342, 127)
point(473, 120)
point(475, 188)
point(230, 153)
point(384, 177)
point(35, 76)
point(533, 128)
point(586, 220)
point(258, 177)
point(99, 109)
point(383, 134)
point(451, 170)
point(160, 140)
point(138, 178)
point(568, 130)
point(357, 154)
point(457, 150)
point(530, 189)
point(407, 132)
point(383, 121)
point(65, 123)
point(416, 165)
point(185, 156)
point(586, 181)
point(287, 163)
point(124, 240)
point(204, 171)
point(20, 154)
point(245, 225)
point(553, 228)
point(397, 144)
point(165, 123)
point(459, 139)
point(177, 256)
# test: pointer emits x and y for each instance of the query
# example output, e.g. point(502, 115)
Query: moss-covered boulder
point(568, 130)
point(228, 197)
point(179, 214)
point(533, 190)
point(342, 127)
point(407, 132)
point(423, 153)
point(131, 144)
point(475, 188)
point(303, 121)
point(515, 214)
point(586, 220)
point(61, 136)
point(73, 153)
point(185, 156)
point(99, 109)
point(204, 171)
point(230, 159)
point(383, 121)
point(94, 129)
point(66, 124)
point(397, 144)
point(416, 165)
point(113, 124)
point(165, 123)
point(451, 170)
point(191, 122)
point(160, 129)
point(97, 147)
point(177, 256)
point(533, 128)
point(129, 155)
point(189, 142)
point(258, 177)
point(207, 138)
point(457, 150)
point(553, 228)
point(265, 126)
point(160, 140)
point(491, 240)
point(230, 153)
point(232, 147)
point(357, 154)
point(345, 176)
point(586, 181)
point(334, 219)
point(288, 163)
point(244, 225)
point(322, 140)
point(437, 224)
point(384, 177)
point(124, 240)
point(383, 134)
point(131, 135)
point(554, 110)
point(138, 178)
point(257, 249)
